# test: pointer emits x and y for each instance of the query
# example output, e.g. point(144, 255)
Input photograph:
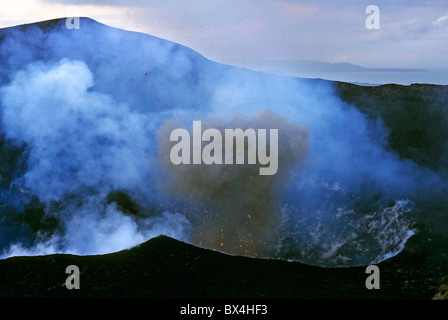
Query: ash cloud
point(235, 209)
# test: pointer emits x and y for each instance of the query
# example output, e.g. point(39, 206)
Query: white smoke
point(82, 145)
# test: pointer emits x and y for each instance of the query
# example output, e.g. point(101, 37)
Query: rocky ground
point(166, 268)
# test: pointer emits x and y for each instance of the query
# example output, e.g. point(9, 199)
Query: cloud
point(119, 3)
point(441, 19)
point(290, 30)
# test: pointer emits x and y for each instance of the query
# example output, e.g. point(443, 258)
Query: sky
point(411, 34)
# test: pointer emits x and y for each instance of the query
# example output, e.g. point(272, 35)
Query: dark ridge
point(47, 25)
point(166, 268)
point(416, 116)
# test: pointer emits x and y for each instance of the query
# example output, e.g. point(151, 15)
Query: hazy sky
point(412, 34)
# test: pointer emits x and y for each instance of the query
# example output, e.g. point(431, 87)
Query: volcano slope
point(166, 268)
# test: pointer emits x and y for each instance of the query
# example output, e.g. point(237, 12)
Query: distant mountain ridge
point(307, 66)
